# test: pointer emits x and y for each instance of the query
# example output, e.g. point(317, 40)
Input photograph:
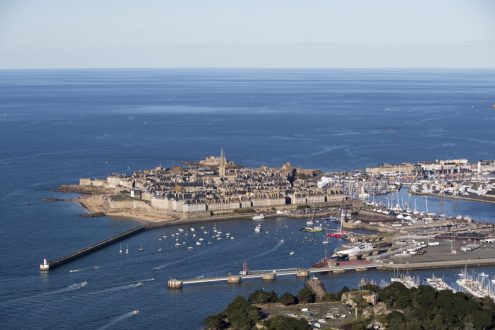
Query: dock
point(50, 265)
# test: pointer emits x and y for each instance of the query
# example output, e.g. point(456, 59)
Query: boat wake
point(121, 287)
point(72, 287)
point(119, 318)
point(78, 270)
point(273, 249)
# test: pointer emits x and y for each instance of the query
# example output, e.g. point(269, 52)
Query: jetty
point(51, 264)
point(271, 275)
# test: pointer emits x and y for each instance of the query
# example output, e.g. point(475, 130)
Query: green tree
point(395, 320)
point(281, 322)
point(305, 295)
point(215, 322)
point(288, 299)
point(262, 297)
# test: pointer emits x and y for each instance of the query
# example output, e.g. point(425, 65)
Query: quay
point(49, 265)
point(439, 264)
point(270, 275)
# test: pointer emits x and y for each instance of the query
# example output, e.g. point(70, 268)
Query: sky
point(247, 34)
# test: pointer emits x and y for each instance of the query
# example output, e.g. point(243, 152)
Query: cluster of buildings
point(437, 168)
point(216, 186)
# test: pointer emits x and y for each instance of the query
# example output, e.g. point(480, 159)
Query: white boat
point(141, 248)
point(127, 249)
point(438, 284)
point(326, 241)
point(44, 266)
point(309, 222)
point(406, 280)
point(257, 229)
point(120, 249)
point(355, 250)
point(259, 217)
point(291, 253)
point(198, 243)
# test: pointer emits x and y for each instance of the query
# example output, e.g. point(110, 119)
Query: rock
point(317, 287)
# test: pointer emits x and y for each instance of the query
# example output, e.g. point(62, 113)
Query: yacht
point(259, 217)
point(438, 284)
point(355, 250)
point(406, 280)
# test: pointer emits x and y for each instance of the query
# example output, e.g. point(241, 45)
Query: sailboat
point(141, 248)
point(127, 249)
point(120, 249)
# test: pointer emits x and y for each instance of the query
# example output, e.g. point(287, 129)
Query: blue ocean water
point(57, 126)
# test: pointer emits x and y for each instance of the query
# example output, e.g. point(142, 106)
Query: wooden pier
point(92, 248)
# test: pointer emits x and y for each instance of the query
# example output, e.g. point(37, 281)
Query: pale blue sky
point(249, 33)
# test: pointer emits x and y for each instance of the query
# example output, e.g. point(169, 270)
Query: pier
point(271, 275)
point(92, 248)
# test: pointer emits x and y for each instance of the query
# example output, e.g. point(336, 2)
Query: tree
point(395, 320)
point(262, 297)
point(215, 322)
point(281, 322)
point(288, 299)
point(305, 295)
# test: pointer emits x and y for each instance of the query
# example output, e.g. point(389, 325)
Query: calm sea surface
point(57, 126)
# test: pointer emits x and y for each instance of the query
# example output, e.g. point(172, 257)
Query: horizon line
point(244, 68)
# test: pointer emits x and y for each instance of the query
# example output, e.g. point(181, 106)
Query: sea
point(57, 126)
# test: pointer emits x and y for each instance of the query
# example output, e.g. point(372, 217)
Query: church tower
point(221, 167)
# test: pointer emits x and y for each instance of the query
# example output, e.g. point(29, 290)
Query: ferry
point(257, 229)
point(259, 217)
point(355, 250)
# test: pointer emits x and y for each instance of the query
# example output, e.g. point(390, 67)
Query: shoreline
point(471, 199)
point(93, 203)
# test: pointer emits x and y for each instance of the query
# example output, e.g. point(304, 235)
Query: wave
point(72, 287)
point(275, 248)
point(119, 318)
